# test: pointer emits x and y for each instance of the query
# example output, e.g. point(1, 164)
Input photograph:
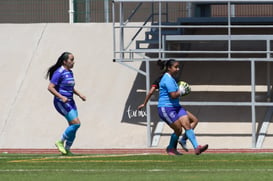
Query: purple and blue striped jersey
point(64, 82)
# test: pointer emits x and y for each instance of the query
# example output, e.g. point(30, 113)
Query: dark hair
point(164, 65)
point(64, 56)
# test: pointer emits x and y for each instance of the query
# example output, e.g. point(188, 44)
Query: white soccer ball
point(184, 87)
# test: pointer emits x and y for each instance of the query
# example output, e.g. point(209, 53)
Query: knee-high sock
point(70, 134)
point(190, 134)
point(173, 141)
point(184, 137)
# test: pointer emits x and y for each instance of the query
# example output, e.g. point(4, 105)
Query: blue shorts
point(68, 109)
point(171, 114)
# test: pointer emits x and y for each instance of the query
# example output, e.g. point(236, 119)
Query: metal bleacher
point(203, 38)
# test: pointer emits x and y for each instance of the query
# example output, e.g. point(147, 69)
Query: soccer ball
point(184, 87)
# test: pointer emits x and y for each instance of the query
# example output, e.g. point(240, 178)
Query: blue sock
point(173, 141)
point(70, 134)
point(68, 144)
point(184, 138)
point(191, 136)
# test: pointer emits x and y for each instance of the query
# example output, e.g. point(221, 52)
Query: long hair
point(64, 56)
point(164, 65)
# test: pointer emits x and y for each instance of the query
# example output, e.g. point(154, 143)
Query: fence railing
point(47, 11)
point(198, 34)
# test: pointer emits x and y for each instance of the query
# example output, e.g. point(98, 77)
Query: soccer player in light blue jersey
point(193, 119)
point(62, 87)
point(172, 112)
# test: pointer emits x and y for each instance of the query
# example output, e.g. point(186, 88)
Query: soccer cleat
point(68, 153)
point(60, 146)
point(183, 145)
point(173, 151)
point(201, 149)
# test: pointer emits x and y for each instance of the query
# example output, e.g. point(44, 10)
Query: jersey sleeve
point(55, 77)
point(171, 85)
point(156, 82)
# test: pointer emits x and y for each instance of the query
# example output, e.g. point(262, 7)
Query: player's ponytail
point(161, 65)
point(58, 64)
point(164, 65)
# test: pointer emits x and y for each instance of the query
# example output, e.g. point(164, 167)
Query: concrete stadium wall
point(28, 118)
point(109, 117)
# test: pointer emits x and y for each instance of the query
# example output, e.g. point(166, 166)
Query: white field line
point(136, 170)
point(71, 158)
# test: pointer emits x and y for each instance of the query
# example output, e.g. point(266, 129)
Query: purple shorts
point(68, 109)
point(171, 114)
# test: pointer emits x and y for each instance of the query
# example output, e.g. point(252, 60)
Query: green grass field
point(208, 166)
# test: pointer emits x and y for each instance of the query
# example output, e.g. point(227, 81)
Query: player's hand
point(140, 106)
point(83, 98)
point(64, 99)
point(184, 88)
point(181, 90)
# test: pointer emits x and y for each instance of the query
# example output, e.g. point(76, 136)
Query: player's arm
point(183, 89)
point(79, 94)
point(174, 92)
point(180, 92)
point(147, 98)
point(52, 90)
point(175, 95)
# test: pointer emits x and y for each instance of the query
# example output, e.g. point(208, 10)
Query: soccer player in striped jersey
point(62, 87)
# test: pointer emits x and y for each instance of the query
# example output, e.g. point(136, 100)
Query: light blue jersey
point(167, 84)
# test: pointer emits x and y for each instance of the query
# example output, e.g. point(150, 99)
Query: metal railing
point(125, 55)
